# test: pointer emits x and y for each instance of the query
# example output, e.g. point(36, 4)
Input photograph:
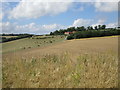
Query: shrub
point(70, 37)
point(50, 41)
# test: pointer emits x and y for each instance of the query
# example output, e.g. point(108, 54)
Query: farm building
point(67, 33)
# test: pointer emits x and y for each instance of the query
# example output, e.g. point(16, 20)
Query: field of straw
point(85, 63)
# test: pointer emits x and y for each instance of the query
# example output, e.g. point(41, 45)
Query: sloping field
point(78, 46)
point(28, 43)
point(76, 63)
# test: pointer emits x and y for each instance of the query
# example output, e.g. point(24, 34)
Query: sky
point(30, 16)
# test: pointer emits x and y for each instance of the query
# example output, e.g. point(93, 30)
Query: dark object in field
point(50, 41)
point(24, 48)
point(38, 45)
point(29, 47)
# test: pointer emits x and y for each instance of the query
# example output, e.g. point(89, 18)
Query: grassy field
point(81, 63)
point(27, 43)
point(8, 36)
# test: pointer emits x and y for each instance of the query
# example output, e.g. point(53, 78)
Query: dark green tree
point(99, 26)
point(103, 26)
point(88, 28)
point(51, 33)
point(96, 28)
point(91, 28)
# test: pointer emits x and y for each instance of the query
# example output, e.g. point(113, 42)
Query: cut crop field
point(80, 63)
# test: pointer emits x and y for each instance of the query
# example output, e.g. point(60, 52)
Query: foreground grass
point(97, 70)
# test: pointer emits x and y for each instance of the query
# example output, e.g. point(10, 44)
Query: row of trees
point(97, 33)
point(82, 28)
point(20, 36)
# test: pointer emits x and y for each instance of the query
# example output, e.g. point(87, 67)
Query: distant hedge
point(3, 39)
point(91, 33)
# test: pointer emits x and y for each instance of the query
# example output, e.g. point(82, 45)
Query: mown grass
point(98, 70)
point(27, 43)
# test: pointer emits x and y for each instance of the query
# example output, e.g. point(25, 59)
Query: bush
point(70, 37)
point(50, 41)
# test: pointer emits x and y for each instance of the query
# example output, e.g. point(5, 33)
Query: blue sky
point(44, 17)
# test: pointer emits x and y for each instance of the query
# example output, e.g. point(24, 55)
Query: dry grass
point(78, 63)
point(87, 71)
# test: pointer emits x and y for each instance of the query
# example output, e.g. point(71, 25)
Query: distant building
point(74, 32)
point(67, 33)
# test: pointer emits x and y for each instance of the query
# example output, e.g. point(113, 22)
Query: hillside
point(75, 63)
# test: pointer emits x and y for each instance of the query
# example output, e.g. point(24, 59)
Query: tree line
point(88, 34)
point(19, 36)
point(82, 28)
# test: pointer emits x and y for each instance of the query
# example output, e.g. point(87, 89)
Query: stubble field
point(81, 63)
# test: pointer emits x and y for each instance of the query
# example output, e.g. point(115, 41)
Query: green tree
point(91, 28)
point(103, 26)
point(51, 33)
point(96, 28)
point(88, 28)
point(70, 29)
point(99, 26)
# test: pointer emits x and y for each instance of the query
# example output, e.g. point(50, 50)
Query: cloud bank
point(37, 9)
point(34, 28)
point(106, 6)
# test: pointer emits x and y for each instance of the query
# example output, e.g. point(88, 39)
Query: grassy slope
point(8, 36)
point(75, 63)
point(28, 43)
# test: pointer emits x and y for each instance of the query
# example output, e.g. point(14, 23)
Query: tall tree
point(83, 28)
point(96, 28)
point(91, 28)
point(99, 26)
point(103, 26)
point(88, 28)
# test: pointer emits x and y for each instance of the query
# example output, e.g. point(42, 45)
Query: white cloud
point(111, 25)
point(92, 22)
point(1, 16)
point(53, 26)
point(99, 22)
point(82, 22)
point(34, 9)
point(106, 6)
point(8, 27)
point(81, 8)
